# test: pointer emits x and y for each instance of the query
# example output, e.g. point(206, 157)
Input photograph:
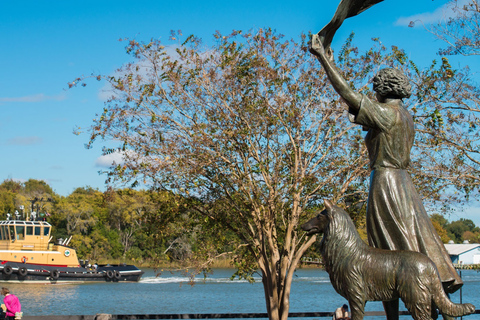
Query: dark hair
point(392, 83)
point(5, 291)
point(345, 307)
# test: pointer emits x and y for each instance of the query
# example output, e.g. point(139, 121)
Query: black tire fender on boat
point(7, 270)
point(22, 272)
point(109, 274)
point(116, 274)
point(54, 274)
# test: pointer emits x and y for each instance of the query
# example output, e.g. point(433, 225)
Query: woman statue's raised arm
point(351, 97)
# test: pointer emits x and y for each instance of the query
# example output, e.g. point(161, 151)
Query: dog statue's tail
point(446, 306)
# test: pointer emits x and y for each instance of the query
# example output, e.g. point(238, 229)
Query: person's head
point(5, 291)
point(391, 83)
point(345, 307)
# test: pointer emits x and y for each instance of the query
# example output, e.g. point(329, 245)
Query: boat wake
point(200, 280)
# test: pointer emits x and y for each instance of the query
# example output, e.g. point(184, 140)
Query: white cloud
point(442, 13)
point(120, 157)
point(108, 160)
point(24, 141)
point(34, 98)
point(107, 92)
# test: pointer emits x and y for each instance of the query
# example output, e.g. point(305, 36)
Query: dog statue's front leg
point(391, 309)
point(358, 308)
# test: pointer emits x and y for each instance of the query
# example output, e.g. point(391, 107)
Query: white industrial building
point(465, 253)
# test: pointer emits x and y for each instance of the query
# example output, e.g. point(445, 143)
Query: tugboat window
point(2, 232)
point(46, 230)
point(20, 232)
point(37, 231)
point(12, 232)
point(29, 231)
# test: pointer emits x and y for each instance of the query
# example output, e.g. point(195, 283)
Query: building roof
point(454, 249)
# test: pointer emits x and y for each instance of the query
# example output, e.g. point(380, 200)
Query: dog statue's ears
point(328, 204)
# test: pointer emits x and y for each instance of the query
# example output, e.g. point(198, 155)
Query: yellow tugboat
point(28, 255)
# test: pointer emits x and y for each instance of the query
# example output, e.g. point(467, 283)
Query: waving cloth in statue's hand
point(346, 9)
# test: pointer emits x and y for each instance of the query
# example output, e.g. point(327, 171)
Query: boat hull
point(25, 272)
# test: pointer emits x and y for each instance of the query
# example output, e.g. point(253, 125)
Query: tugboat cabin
point(29, 242)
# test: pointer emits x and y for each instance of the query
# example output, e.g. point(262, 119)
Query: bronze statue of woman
point(396, 217)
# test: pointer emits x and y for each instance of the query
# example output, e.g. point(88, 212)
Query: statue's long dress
point(396, 217)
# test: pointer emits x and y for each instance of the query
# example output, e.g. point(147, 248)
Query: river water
point(171, 293)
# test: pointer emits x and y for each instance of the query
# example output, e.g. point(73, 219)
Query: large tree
point(248, 129)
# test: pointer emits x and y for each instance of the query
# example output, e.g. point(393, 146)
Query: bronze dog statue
point(361, 273)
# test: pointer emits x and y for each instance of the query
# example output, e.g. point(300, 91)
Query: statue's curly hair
point(392, 83)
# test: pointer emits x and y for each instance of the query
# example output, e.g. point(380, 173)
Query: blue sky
point(46, 44)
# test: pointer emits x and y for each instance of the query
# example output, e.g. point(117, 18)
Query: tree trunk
point(277, 293)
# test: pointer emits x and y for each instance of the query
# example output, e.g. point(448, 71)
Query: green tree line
point(457, 231)
point(147, 227)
